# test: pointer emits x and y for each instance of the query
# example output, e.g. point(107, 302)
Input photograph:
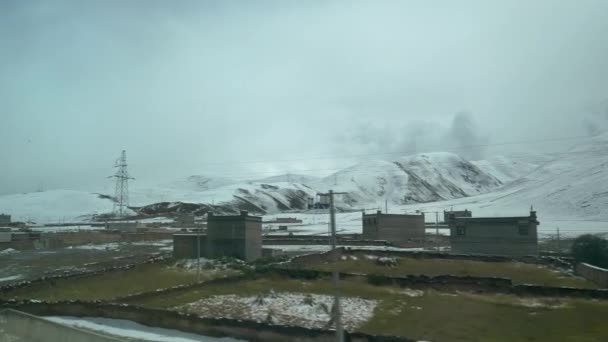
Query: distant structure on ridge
point(121, 193)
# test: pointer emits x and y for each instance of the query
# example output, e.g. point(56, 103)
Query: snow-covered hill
point(571, 187)
point(420, 178)
point(567, 185)
point(508, 169)
point(289, 178)
point(199, 183)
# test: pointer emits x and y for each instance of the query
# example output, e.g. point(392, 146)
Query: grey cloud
point(186, 85)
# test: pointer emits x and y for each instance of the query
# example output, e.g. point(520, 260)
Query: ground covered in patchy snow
point(133, 331)
point(287, 308)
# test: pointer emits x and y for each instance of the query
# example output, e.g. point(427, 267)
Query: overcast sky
point(189, 87)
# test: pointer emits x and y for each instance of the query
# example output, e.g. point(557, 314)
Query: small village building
point(509, 236)
point(238, 236)
point(394, 228)
point(185, 220)
point(456, 213)
point(189, 245)
point(5, 219)
point(123, 227)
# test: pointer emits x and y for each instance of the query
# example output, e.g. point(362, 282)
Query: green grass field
point(520, 273)
point(142, 278)
point(437, 316)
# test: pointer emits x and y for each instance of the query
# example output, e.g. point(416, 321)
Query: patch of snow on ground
point(412, 292)
point(55, 229)
point(307, 310)
point(207, 264)
point(10, 278)
point(8, 251)
point(549, 303)
point(129, 329)
point(103, 246)
point(153, 243)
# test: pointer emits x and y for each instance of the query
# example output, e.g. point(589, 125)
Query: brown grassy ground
point(520, 273)
point(437, 316)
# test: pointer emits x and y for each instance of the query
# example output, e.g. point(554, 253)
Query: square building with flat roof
point(508, 236)
point(395, 228)
point(238, 236)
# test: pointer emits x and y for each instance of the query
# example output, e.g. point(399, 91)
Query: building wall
point(6, 236)
point(5, 219)
point(592, 273)
point(393, 228)
point(185, 246)
point(495, 236)
point(456, 213)
point(126, 227)
point(234, 236)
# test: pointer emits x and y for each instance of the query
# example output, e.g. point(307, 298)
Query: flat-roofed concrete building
point(238, 236)
point(185, 245)
point(5, 219)
point(456, 213)
point(185, 219)
point(395, 228)
point(510, 236)
point(125, 227)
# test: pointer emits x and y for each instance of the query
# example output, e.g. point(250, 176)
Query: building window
point(523, 230)
point(461, 231)
point(375, 221)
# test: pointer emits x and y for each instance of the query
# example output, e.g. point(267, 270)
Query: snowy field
point(55, 229)
point(324, 248)
point(307, 310)
point(122, 245)
point(129, 330)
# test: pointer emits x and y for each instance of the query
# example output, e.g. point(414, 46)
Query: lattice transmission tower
point(121, 193)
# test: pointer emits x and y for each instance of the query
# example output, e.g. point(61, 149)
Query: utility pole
point(386, 206)
point(198, 255)
point(559, 250)
point(437, 229)
point(335, 274)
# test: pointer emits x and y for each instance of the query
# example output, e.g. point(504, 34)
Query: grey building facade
point(509, 236)
point(5, 219)
point(395, 228)
point(189, 245)
point(238, 236)
point(456, 213)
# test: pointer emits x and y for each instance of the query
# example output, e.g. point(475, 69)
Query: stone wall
point(592, 273)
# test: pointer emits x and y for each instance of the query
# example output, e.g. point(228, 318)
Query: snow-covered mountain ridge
point(570, 183)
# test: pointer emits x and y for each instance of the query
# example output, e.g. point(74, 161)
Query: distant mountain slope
point(199, 183)
point(573, 186)
point(289, 178)
point(507, 169)
point(259, 198)
point(420, 178)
